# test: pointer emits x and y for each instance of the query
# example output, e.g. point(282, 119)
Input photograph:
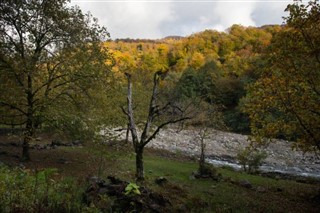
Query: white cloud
point(270, 13)
point(230, 13)
point(157, 19)
point(134, 19)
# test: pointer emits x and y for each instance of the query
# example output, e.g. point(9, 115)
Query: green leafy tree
point(200, 83)
point(285, 101)
point(48, 52)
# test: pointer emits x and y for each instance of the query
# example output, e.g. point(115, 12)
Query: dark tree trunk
point(25, 148)
point(29, 132)
point(28, 135)
point(139, 164)
point(202, 159)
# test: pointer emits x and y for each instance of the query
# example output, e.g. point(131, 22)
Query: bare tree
point(205, 124)
point(169, 112)
point(201, 136)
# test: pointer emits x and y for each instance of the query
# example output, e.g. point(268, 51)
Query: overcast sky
point(160, 18)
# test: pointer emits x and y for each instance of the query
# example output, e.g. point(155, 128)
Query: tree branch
point(13, 107)
point(162, 126)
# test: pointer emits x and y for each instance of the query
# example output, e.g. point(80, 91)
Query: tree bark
point(139, 164)
point(25, 148)
point(132, 124)
point(152, 108)
point(28, 135)
point(29, 132)
point(202, 158)
point(127, 133)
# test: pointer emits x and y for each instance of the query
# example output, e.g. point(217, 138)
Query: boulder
point(245, 184)
point(145, 201)
point(161, 181)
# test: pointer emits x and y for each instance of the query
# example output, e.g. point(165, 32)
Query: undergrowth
point(23, 190)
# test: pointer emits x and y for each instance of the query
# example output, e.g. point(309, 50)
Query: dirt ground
point(74, 161)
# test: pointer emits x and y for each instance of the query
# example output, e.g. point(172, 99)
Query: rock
point(161, 181)
point(77, 143)
point(146, 201)
point(14, 144)
point(62, 161)
point(245, 184)
point(192, 176)
point(261, 189)
point(279, 189)
point(3, 153)
point(57, 142)
point(95, 180)
point(39, 146)
point(53, 147)
point(217, 177)
point(22, 166)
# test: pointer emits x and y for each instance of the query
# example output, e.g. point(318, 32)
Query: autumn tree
point(48, 52)
point(285, 101)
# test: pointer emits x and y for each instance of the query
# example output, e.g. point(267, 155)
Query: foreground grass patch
point(206, 195)
point(185, 193)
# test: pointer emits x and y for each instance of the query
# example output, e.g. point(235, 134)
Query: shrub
point(27, 191)
point(251, 159)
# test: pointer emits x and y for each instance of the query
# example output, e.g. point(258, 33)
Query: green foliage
point(53, 55)
point(132, 189)
point(236, 120)
point(251, 159)
point(285, 100)
point(199, 83)
point(25, 191)
point(207, 169)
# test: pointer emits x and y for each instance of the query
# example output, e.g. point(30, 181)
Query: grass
point(185, 194)
point(227, 195)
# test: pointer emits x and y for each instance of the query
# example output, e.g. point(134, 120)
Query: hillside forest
point(63, 77)
point(254, 80)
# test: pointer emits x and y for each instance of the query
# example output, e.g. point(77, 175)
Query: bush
point(27, 191)
point(251, 159)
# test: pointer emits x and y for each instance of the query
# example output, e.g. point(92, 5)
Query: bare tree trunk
point(202, 158)
point(153, 113)
point(127, 133)
point(202, 135)
point(152, 108)
point(132, 124)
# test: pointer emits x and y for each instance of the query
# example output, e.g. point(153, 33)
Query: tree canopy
point(285, 100)
point(49, 53)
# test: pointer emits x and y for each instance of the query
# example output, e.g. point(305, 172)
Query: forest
point(63, 79)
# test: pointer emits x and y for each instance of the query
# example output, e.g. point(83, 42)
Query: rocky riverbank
point(222, 148)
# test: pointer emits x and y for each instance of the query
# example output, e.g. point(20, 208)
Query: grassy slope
point(187, 195)
point(227, 195)
point(267, 194)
